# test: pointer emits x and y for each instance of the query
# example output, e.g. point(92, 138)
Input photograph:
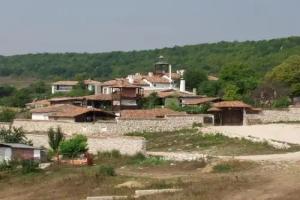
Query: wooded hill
point(259, 55)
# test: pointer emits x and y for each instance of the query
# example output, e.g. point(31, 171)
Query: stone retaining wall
point(273, 116)
point(112, 128)
point(126, 145)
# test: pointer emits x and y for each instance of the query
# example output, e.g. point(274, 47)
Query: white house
point(67, 86)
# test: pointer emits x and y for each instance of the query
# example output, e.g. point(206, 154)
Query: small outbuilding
point(66, 112)
point(231, 112)
point(16, 151)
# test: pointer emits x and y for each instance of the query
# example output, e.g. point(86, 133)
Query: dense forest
point(259, 55)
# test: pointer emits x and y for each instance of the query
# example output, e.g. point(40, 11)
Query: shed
point(16, 151)
point(230, 112)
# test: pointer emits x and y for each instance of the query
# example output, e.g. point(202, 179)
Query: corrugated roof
point(148, 114)
point(17, 145)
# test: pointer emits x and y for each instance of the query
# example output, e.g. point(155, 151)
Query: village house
point(15, 151)
point(71, 113)
point(160, 79)
point(67, 86)
point(124, 94)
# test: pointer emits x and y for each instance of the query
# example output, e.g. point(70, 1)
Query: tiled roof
point(92, 82)
point(148, 114)
point(99, 97)
point(65, 110)
point(197, 101)
point(156, 79)
point(168, 93)
point(231, 104)
point(122, 83)
point(65, 99)
point(44, 102)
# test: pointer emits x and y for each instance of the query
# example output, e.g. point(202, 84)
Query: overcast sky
point(32, 26)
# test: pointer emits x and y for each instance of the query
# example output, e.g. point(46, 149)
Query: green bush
point(14, 135)
point(106, 170)
point(282, 102)
point(7, 115)
point(74, 146)
point(141, 159)
point(8, 165)
point(110, 154)
point(29, 166)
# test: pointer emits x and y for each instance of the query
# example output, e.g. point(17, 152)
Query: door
point(232, 117)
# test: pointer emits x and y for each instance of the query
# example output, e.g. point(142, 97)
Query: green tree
point(241, 78)
point(55, 137)
point(14, 135)
point(7, 115)
point(288, 73)
point(231, 92)
point(194, 77)
point(151, 101)
point(74, 146)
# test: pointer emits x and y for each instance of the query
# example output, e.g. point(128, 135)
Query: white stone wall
point(115, 128)
point(273, 116)
point(126, 145)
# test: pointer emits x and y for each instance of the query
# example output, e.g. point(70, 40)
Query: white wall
point(39, 116)
point(128, 102)
point(5, 153)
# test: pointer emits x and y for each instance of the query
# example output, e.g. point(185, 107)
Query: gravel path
point(281, 132)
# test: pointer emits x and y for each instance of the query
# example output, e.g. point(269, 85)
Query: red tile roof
point(99, 97)
point(231, 104)
point(148, 114)
point(119, 83)
point(198, 101)
point(65, 110)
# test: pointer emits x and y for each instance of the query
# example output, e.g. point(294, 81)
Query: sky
point(38, 26)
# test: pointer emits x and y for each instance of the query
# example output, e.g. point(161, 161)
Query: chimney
point(150, 74)
point(170, 71)
point(182, 85)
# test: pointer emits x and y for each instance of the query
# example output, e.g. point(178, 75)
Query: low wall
point(108, 128)
point(126, 145)
point(273, 116)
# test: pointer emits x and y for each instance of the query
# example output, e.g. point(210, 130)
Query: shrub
point(29, 166)
point(106, 170)
point(196, 124)
point(141, 159)
point(8, 165)
point(14, 135)
point(282, 102)
point(55, 137)
point(7, 115)
point(74, 146)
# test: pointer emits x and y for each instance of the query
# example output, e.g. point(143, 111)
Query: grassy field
point(18, 82)
point(70, 182)
point(212, 144)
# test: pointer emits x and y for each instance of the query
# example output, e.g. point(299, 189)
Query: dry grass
point(211, 144)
